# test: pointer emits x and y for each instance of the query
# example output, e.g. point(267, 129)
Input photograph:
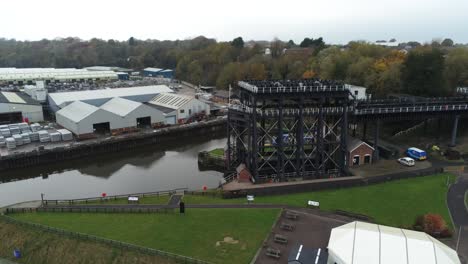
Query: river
point(156, 168)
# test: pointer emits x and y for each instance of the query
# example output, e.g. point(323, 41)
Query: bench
point(292, 215)
point(287, 226)
point(274, 253)
point(280, 239)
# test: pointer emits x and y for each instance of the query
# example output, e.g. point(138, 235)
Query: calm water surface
point(157, 168)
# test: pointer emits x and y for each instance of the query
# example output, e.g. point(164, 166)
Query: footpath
point(459, 213)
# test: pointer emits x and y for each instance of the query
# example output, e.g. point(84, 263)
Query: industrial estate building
point(157, 72)
point(115, 116)
point(52, 75)
point(97, 98)
point(16, 107)
point(365, 243)
point(178, 108)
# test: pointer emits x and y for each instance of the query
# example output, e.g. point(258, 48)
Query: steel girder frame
point(299, 145)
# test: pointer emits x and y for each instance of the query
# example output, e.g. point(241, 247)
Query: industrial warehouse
point(97, 98)
point(178, 108)
point(16, 107)
point(116, 116)
point(14, 76)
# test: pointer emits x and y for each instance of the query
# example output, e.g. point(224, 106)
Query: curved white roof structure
point(364, 243)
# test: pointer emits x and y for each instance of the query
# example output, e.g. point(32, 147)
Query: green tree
point(423, 72)
point(238, 43)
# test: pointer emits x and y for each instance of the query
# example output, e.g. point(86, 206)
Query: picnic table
point(280, 239)
point(273, 252)
point(287, 226)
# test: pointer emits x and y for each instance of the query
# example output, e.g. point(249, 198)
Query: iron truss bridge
point(289, 129)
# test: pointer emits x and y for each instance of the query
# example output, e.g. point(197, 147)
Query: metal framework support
point(343, 140)
point(319, 129)
point(300, 168)
point(229, 150)
point(376, 140)
point(364, 130)
point(453, 142)
point(279, 141)
point(254, 141)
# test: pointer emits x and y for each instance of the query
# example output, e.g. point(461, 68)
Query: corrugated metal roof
point(16, 98)
point(365, 243)
point(11, 74)
point(77, 111)
point(153, 69)
point(60, 98)
point(120, 106)
point(169, 100)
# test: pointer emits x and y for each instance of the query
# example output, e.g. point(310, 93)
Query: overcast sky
point(337, 21)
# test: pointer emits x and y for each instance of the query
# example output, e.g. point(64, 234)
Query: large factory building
point(16, 107)
point(178, 108)
point(10, 76)
point(116, 116)
point(97, 98)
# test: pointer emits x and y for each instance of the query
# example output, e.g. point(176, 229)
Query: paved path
point(459, 212)
point(162, 206)
point(175, 200)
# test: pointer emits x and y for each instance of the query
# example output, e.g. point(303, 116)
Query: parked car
point(406, 161)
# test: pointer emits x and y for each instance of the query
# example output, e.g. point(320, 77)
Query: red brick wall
point(361, 151)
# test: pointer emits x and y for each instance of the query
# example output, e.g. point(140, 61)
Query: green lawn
point(194, 234)
point(217, 152)
point(395, 203)
point(466, 200)
point(163, 199)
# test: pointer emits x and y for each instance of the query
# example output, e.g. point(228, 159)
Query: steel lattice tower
point(289, 129)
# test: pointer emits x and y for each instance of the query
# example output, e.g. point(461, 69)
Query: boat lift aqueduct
point(299, 128)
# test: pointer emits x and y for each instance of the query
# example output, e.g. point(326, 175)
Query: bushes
point(432, 224)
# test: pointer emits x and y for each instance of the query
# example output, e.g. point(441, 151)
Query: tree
point(456, 68)
point(238, 43)
point(423, 72)
point(131, 41)
point(290, 44)
point(447, 42)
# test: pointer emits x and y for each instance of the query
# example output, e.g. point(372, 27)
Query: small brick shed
point(359, 152)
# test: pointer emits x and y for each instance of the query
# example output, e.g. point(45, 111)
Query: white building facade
point(20, 106)
point(183, 106)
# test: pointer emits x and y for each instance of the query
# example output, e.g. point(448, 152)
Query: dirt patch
point(227, 240)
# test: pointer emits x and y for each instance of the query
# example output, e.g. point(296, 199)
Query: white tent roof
point(77, 111)
point(60, 98)
point(364, 243)
point(120, 106)
point(170, 100)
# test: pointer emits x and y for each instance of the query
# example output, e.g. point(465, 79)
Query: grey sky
point(337, 21)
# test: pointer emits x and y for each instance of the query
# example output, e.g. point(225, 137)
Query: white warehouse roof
point(170, 100)
point(153, 69)
point(364, 243)
point(60, 99)
point(12, 74)
point(120, 106)
point(77, 111)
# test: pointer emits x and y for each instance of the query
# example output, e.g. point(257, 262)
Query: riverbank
point(40, 247)
point(78, 150)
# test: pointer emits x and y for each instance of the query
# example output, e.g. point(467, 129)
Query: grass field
point(195, 234)
point(39, 247)
point(163, 199)
point(466, 200)
point(395, 203)
point(217, 152)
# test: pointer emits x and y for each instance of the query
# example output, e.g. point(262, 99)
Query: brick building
point(359, 152)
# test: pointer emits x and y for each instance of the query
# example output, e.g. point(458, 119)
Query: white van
point(406, 161)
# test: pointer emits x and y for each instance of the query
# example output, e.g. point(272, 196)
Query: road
point(459, 212)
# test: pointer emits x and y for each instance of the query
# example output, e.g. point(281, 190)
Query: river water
point(156, 168)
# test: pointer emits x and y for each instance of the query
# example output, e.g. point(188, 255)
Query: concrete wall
point(142, 111)
point(32, 112)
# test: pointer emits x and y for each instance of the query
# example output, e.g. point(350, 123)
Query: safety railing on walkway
point(111, 197)
point(150, 251)
point(90, 209)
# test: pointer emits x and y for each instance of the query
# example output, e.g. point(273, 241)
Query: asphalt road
point(459, 212)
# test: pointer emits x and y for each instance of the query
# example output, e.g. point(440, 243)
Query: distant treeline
point(432, 69)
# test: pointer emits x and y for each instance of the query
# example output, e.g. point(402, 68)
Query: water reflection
point(156, 167)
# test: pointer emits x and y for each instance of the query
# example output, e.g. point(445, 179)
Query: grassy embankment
point(395, 203)
point(41, 247)
point(198, 234)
